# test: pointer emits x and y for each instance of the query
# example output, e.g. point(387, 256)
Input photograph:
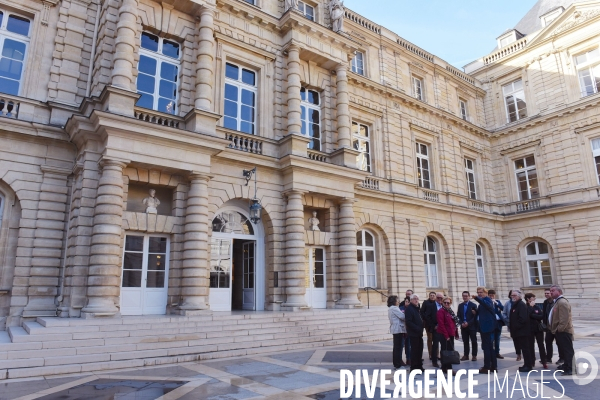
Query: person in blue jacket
point(486, 317)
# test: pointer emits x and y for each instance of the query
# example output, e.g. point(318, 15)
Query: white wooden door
point(316, 290)
point(249, 257)
point(221, 254)
point(145, 275)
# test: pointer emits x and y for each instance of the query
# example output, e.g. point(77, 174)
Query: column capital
point(292, 46)
point(206, 10)
point(291, 192)
point(199, 176)
point(341, 67)
point(113, 162)
point(348, 201)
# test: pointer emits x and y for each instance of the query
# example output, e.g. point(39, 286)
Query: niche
point(137, 192)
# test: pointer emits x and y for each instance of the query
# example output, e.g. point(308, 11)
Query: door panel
point(220, 274)
point(248, 265)
point(316, 274)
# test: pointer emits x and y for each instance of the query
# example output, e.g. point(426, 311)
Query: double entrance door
point(145, 274)
point(316, 291)
point(232, 274)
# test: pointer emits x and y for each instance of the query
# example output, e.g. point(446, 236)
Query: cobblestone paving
point(306, 374)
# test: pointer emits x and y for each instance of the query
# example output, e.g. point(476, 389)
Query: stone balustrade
point(317, 156)
point(244, 142)
point(528, 205)
point(158, 118)
point(370, 183)
point(505, 51)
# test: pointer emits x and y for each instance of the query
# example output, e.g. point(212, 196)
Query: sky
point(458, 31)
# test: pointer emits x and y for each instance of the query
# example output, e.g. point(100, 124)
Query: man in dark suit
point(468, 325)
point(414, 330)
point(519, 328)
point(431, 321)
point(549, 339)
point(486, 317)
point(425, 309)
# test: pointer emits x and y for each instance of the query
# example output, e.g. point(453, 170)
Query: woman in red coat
point(447, 328)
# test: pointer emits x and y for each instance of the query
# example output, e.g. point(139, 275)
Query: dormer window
point(509, 37)
point(551, 15)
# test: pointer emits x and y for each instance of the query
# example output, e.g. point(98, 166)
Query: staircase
point(52, 346)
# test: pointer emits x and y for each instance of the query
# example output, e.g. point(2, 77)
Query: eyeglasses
point(439, 297)
point(446, 302)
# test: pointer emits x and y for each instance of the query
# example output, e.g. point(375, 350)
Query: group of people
point(527, 323)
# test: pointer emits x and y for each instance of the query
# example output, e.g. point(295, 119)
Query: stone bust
point(314, 222)
point(336, 12)
point(151, 202)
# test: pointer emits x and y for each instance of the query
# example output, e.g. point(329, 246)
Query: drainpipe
point(93, 53)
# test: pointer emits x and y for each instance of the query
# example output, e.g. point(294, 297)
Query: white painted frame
point(5, 34)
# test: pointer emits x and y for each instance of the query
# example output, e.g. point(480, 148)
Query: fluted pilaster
point(295, 257)
point(104, 276)
point(205, 74)
point(293, 90)
point(343, 108)
point(347, 255)
point(125, 46)
point(195, 282)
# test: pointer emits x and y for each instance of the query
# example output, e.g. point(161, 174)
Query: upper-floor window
point(596, 154)
point(361, 141)
point(308, 11)
point(365, 256)
point(430, 260)
point(240, 99)
point(514, 100)
point(588, 71)
point(423, 168)
point(358, 63)
point(480, 265)
point(311, 117)
point(14, 39)
point(253, 2)
point(417, 88)
point(538, 263)
point(463, 109)
point(527, 179)
point(158, 74)
point(470, 173)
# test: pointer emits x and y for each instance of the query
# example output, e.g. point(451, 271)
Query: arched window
point(430, 259)
point(538, 264)
point(479, 263)
point(365, 257)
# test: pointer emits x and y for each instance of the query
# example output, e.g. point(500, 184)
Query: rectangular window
point(310, 106)
point(470, 172)
point(361, 141)
point(463, 109)
point(14, 39)
point(423, 168)
point(145, 260)
point(514, 100)
point(308, 11)
point(596, 155)
point(358, 65)
point(253, 2)
point(588, 71)
point(527, 180)
point(158, 74)
point(240, 99)
point(417, 88)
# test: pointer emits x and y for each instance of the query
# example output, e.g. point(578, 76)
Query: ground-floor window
point(430, 261)
point(538, 264)
point(365, 257)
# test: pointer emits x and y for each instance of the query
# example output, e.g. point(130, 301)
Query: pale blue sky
point(458, 31)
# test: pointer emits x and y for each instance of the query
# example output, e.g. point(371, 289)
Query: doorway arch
point(237, 260)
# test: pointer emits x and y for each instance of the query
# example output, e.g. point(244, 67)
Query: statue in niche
point(293, 4)
point(151, 202)
point(314, 222)
point(336, 12)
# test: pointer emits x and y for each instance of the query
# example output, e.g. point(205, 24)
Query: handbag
point(450, 357)
point(543, 327)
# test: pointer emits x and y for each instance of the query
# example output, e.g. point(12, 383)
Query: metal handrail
point(368, 301)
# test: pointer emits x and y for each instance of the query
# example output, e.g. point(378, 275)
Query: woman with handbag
point(397, 329)
point(447, 326)
point(536, 316)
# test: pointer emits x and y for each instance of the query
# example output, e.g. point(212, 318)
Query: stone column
point(205, 60)
point(194, 276)
point(343, 109)
point(47, 243)
point(125, 46)
point(347, 255)
point(295, 257)
point(104, 274)
point(293, 90)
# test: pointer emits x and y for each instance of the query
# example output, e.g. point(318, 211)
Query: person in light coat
point(397, 329)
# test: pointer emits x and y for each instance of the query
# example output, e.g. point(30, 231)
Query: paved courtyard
point(306, 374)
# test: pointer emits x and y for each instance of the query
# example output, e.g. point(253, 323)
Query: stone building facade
point(419, 175)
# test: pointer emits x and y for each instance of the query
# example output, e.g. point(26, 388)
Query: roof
point(531, 22)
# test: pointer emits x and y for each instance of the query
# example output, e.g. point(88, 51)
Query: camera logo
point(586, 368)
